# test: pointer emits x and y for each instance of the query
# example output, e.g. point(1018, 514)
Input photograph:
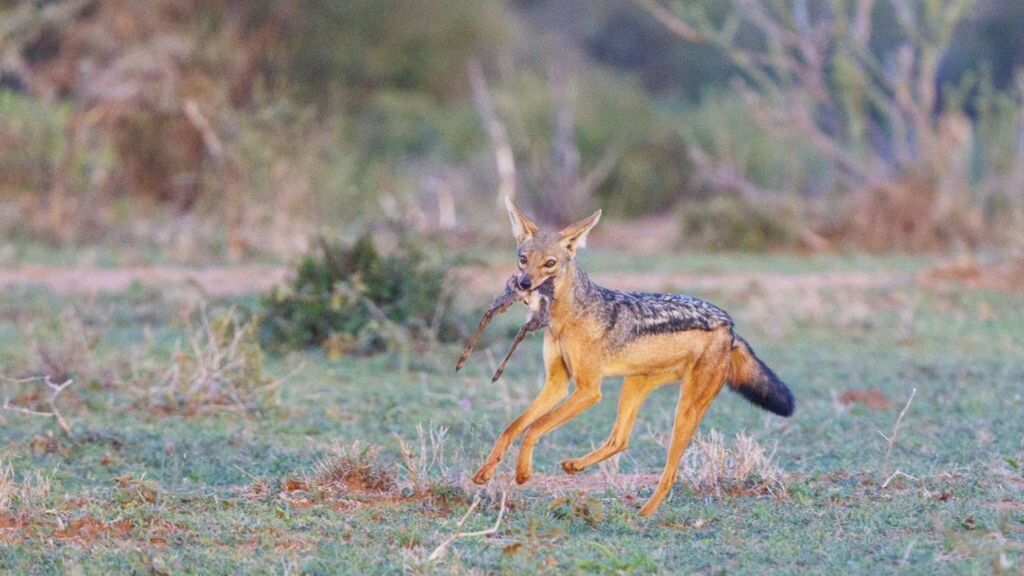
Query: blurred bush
point(211, 128)
point(354, 299)
point(731, 223)
point(31, 141)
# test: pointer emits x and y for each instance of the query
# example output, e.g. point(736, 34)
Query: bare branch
point(563, 201)
point(496, 132)
point(724, 175)
point(862, 22)
point(671, 22)
point(51, 401)
point(891, 439)
point(894, 475)
point(442, 548)
point(202, 124)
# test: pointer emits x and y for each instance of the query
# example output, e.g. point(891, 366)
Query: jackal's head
point(544, 255)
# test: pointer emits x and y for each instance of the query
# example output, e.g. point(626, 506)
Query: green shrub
point(730, 223)
point(357, 300)
point(31, 142)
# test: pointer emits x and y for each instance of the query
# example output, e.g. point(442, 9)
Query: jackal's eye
point(550, 263)
point(522, 259)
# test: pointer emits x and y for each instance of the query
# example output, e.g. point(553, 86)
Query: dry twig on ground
point(51, 401)
point(891, 439)
point(442, 548)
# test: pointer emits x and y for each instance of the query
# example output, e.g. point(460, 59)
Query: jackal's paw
point(483, 475)
point(522, 476)
point(647, 510)
point(571, 466)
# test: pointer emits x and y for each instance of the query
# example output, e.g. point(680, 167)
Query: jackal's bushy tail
point(756, 382)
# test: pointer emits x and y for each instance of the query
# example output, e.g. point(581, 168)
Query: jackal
point(649, 339)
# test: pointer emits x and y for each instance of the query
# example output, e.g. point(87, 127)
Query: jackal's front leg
point(586, 395)
point(555, 387)
point(635, 390)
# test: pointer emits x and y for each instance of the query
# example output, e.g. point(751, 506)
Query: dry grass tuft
point(352, 469)
point(27, 493)
point(713, 466)
point(425, 464)
point(65, 350)
point(64, 347)
point(219, 366)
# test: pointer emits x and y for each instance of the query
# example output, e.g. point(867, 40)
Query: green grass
point(962, 439)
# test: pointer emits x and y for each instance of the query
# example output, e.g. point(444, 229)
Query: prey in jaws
point(537, 300)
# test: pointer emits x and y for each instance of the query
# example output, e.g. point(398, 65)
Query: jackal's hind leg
point(702, 385)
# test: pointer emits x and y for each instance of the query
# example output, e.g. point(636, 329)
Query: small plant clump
point(711, 466)
point(354, 299)
point(219, 365)
point(353, 468)
point(30, 491)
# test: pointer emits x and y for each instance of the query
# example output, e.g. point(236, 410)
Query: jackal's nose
point(524, 283)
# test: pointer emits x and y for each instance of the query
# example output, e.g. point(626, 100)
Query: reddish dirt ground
point(484, 280)
point(214, 281)
point(224, 281)
point(872, 398)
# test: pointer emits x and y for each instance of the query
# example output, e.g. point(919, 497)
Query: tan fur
point(744, 368)
point(576, 344)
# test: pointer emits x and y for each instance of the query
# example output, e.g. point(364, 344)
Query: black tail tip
point(770, 393)
point(779, 401)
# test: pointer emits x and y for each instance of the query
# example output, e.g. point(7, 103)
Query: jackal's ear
point(575, 235)
point(522, 227)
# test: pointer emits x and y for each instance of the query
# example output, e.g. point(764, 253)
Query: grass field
point(141, 489)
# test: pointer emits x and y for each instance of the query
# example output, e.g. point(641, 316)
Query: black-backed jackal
point(649, 339)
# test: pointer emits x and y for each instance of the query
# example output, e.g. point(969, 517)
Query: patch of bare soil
point(87, 530)
point(560, 484)
point(479, 280)
point(357, 492)
point(647, 235)
point(872, 398)
point(82, 531)
point(1005, 275)
point(482, 280)
point(215, 281)
point(12, 527)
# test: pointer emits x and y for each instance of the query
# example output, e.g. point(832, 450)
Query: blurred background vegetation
point(225, 129)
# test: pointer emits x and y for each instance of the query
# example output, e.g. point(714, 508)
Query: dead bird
point(539, 303)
